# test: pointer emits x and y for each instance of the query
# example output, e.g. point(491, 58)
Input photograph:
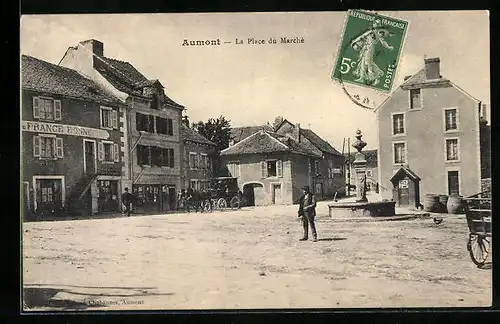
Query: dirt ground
point(249, 258)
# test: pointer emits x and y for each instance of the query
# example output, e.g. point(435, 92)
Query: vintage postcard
point(200, 161)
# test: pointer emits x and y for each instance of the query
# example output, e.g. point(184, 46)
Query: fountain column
point(359, 165)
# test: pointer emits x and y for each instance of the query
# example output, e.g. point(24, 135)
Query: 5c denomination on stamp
point(370, 50)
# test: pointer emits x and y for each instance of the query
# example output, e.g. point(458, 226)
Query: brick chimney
point(296, 132)
point(95, 46)
point(432, 68)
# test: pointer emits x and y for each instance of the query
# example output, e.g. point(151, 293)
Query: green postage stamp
point(370, 50)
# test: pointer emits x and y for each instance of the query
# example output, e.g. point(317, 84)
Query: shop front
point(153, 198)
point(108, 196)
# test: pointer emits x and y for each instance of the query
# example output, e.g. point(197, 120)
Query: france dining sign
point(61, 129)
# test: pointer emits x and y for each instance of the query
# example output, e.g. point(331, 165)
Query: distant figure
point(127, 199)
point(307, 210)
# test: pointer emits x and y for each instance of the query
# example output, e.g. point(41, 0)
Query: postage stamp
point(370, 50)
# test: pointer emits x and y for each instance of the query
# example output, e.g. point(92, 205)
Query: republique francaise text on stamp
point(370, 50)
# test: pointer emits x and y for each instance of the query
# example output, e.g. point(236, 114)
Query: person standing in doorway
point(127, 201)
point(307, 210)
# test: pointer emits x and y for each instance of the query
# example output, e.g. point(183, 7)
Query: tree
point(216, 130)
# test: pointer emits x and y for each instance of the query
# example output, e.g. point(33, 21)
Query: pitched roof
point(419, 78)
point(239, 133)
point(39, 75)
point(126, 78)
point(266, 142)
point(405, 171)
point(317, 141)
point(192, 136)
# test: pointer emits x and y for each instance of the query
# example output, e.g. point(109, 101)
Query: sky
point(251, 84)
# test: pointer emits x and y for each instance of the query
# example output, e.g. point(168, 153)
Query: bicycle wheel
point(479, 248)
point(235, 203)
point(221, 204)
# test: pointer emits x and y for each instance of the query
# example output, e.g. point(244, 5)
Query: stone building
point(71, 161)
point(150, 125)
point(198, 157)
point(430, 126)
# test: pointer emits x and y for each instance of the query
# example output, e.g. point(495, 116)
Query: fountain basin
point(361, 209)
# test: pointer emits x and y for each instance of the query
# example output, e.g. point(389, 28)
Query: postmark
point(369, 54)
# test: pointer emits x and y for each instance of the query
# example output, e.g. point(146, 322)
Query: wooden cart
point(478, 214)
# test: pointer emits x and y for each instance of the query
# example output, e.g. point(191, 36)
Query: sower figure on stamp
point(127, 201)
point(307, 210)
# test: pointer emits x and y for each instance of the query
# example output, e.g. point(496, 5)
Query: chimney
point(432, 68)
point(95, 46)
point(277, 121)
point(185, 121)
point(296, 132)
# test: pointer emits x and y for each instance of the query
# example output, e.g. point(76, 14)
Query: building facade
point(149, 124)
point(327, 174)
point(274, 163)
point(431, 127)
point(198, 157)
point(71, 160)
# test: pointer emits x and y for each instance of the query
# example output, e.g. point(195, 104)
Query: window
point(193, 184)
point(452, 149)
point(144, 123)
point(450, 119)
point(192, 160)
point(109, 118)
point(48, 147)
point(398, 126)
point(204, 161)
point(415, 99)
point(155, 156)
point(155, 102)
point(108, 152)
point(399, 153)
point(46, 108)
point(272, 168)
point(453, 183)
point(49, 193)
point(142, 155)
point(234, 168)
point(161, 125)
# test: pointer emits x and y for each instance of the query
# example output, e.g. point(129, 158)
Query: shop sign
point(61, 129)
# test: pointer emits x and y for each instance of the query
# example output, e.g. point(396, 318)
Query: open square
point(249, 258)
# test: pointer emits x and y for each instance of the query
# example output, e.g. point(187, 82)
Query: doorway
point(108, 196)
point(48, 195)
point(453, 183)
point(404, 193)
point(168, 197)
point(89, 156)
point(276, 193)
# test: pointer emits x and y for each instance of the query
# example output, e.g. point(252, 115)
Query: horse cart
point(222, 193)
point(478, 214)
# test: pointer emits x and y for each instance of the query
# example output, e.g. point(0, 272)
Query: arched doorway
point(249, 191)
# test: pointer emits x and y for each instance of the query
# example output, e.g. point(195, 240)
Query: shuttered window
point(46, 108)
point(48, 147)
point(263, 169)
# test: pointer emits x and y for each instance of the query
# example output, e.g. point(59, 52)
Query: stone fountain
point(361, 206)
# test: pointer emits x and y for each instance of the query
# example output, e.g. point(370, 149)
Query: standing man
point(127, 201)
point(307, 210)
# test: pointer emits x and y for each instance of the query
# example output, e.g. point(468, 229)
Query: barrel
point(443, 200)
point(455, 204)
point(431, 203)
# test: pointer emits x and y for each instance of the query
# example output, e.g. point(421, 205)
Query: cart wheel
point(438, 220)
point(478, 247)
point(221, 204)
point(235, 203)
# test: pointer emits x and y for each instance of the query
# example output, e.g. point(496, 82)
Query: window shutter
point(100, 151)
point(114, 116)
point(263, 169)
point(279, 168)
point(36, 146)
point(36, 107)
point(171, 157)
point(170, 126)
point(57, 110)
point(116, 154)
point(59, 147)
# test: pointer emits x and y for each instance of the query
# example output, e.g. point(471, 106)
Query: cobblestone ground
point(249, 258)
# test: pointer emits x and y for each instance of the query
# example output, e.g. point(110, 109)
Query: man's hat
point(126, 189)
point(306, 188)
